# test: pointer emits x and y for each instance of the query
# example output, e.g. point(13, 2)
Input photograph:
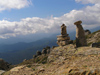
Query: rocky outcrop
point(4, 65)
point(80, 35)
point(87, 32)
point(63, 39)
point(95, 45)
point(93, 38)
point(34, 56)
point(46, 50)
point(53, 47)
point(75, 61)
point(38, 53)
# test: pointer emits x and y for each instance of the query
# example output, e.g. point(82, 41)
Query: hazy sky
point(24, 17)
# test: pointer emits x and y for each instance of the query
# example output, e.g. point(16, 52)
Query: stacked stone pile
point(63, 39)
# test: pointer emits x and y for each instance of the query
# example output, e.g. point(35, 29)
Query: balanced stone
point(80, 35)
point(63, 39)
point(63, 30)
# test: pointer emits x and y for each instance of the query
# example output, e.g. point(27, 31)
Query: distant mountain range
point(15, 53)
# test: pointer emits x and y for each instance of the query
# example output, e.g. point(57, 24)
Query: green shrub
point(89, 43)
point(33, 69)
point(29, 66)
point(37, 60)
point(43, 60)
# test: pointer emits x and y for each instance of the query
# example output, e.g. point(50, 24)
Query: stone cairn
point(63, 39)
point(80, 35)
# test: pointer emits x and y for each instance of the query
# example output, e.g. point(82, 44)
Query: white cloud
point(90, 17)
point(88, 1)
point(13, 4)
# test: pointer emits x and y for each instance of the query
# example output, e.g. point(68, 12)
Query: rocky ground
point(94, 37)
point(66, 60)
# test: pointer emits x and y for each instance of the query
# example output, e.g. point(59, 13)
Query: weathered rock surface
point(93, 38)
point(80, 35)
point(66, 60)
point(46, 50)
point(74, 61)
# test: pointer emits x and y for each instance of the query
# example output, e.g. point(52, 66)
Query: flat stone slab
point(63, 38)
point(62, 43)
point(62, 35)
point(17, 68)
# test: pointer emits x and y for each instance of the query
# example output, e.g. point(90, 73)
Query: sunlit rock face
point(80, 35)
